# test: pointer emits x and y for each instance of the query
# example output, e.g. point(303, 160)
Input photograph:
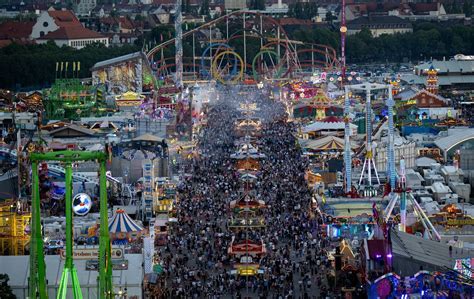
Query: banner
point(91, 253)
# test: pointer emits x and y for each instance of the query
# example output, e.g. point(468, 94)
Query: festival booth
point(247, 213)
point(247, 158)
point(330, 125)
point(304, 110)
point(129, 101)
point(123, 229)
point(161, 229)
point(246, 247)
point(248, 126)
point(313, 107)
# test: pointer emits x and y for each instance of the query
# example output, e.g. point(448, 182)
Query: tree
point(467, 8)
point(5, 290)
point(303, 10)
point(204, 11)
point(330, 17)
point(257, 4)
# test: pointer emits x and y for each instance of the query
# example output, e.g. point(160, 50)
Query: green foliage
point(5, 290)
point(34, 65)
point(428, 40)
point(303, 10)
point(330, 17)
point(257, 4)
point(467, 8)
point(21, 17)
point(204, 11)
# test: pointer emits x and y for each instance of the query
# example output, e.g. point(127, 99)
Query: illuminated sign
point(406, 103)
point(91, 253)
point(460, 222)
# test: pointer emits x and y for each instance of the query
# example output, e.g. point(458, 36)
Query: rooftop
point(439, 187)
point(427, 251)
point(442, 80)
point(72, 32)
point(446, 143)
point(17, 268)
point(16, 30)
point(448, 66)
point(64, 18)
point(383, 21)
point(116, 60)
point(424, 162)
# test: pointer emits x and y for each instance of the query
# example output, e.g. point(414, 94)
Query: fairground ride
point(242, 45)
point(365, 183)
point(37, 278)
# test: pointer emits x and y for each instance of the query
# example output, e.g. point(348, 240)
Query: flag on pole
point(62, 66)
point(161, 37)
point(73, 66)
point(78, 66)
point(57, 66)
point(67, 63)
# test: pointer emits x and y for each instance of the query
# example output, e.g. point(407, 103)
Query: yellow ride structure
point(14, 228)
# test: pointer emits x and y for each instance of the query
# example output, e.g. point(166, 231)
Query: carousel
point(123, 229)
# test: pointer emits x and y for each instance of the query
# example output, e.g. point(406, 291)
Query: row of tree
point(427, 41)
point(33, 66)
point(303, 10)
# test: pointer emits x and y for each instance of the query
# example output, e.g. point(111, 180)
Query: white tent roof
point(320, 125)
point(122, 223)
point(247, 150)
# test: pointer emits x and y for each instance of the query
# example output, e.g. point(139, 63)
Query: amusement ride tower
point(179, 45)
point(368, 169)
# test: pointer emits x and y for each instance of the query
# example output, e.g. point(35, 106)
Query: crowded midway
point(196, 256)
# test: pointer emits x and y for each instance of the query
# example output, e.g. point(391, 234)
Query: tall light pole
point(179, 45)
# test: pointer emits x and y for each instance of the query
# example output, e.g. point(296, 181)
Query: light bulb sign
point(81, 204)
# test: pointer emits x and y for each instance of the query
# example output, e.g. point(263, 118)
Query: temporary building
point(122, 227)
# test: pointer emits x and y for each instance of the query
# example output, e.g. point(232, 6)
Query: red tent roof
point(332, 119)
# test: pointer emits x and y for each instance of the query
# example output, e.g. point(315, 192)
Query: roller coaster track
point(291, 49)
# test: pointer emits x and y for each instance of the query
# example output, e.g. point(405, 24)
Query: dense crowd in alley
point(196, 259)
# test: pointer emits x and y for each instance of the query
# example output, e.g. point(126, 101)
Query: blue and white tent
point(122, 223)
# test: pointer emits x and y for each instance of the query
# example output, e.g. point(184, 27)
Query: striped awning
point(323, 144)
point(122, 223)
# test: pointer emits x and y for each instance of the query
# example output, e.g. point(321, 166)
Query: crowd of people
point(196, 259)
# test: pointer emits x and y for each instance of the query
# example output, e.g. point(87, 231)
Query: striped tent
point(122, 223)
point(323, 144)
